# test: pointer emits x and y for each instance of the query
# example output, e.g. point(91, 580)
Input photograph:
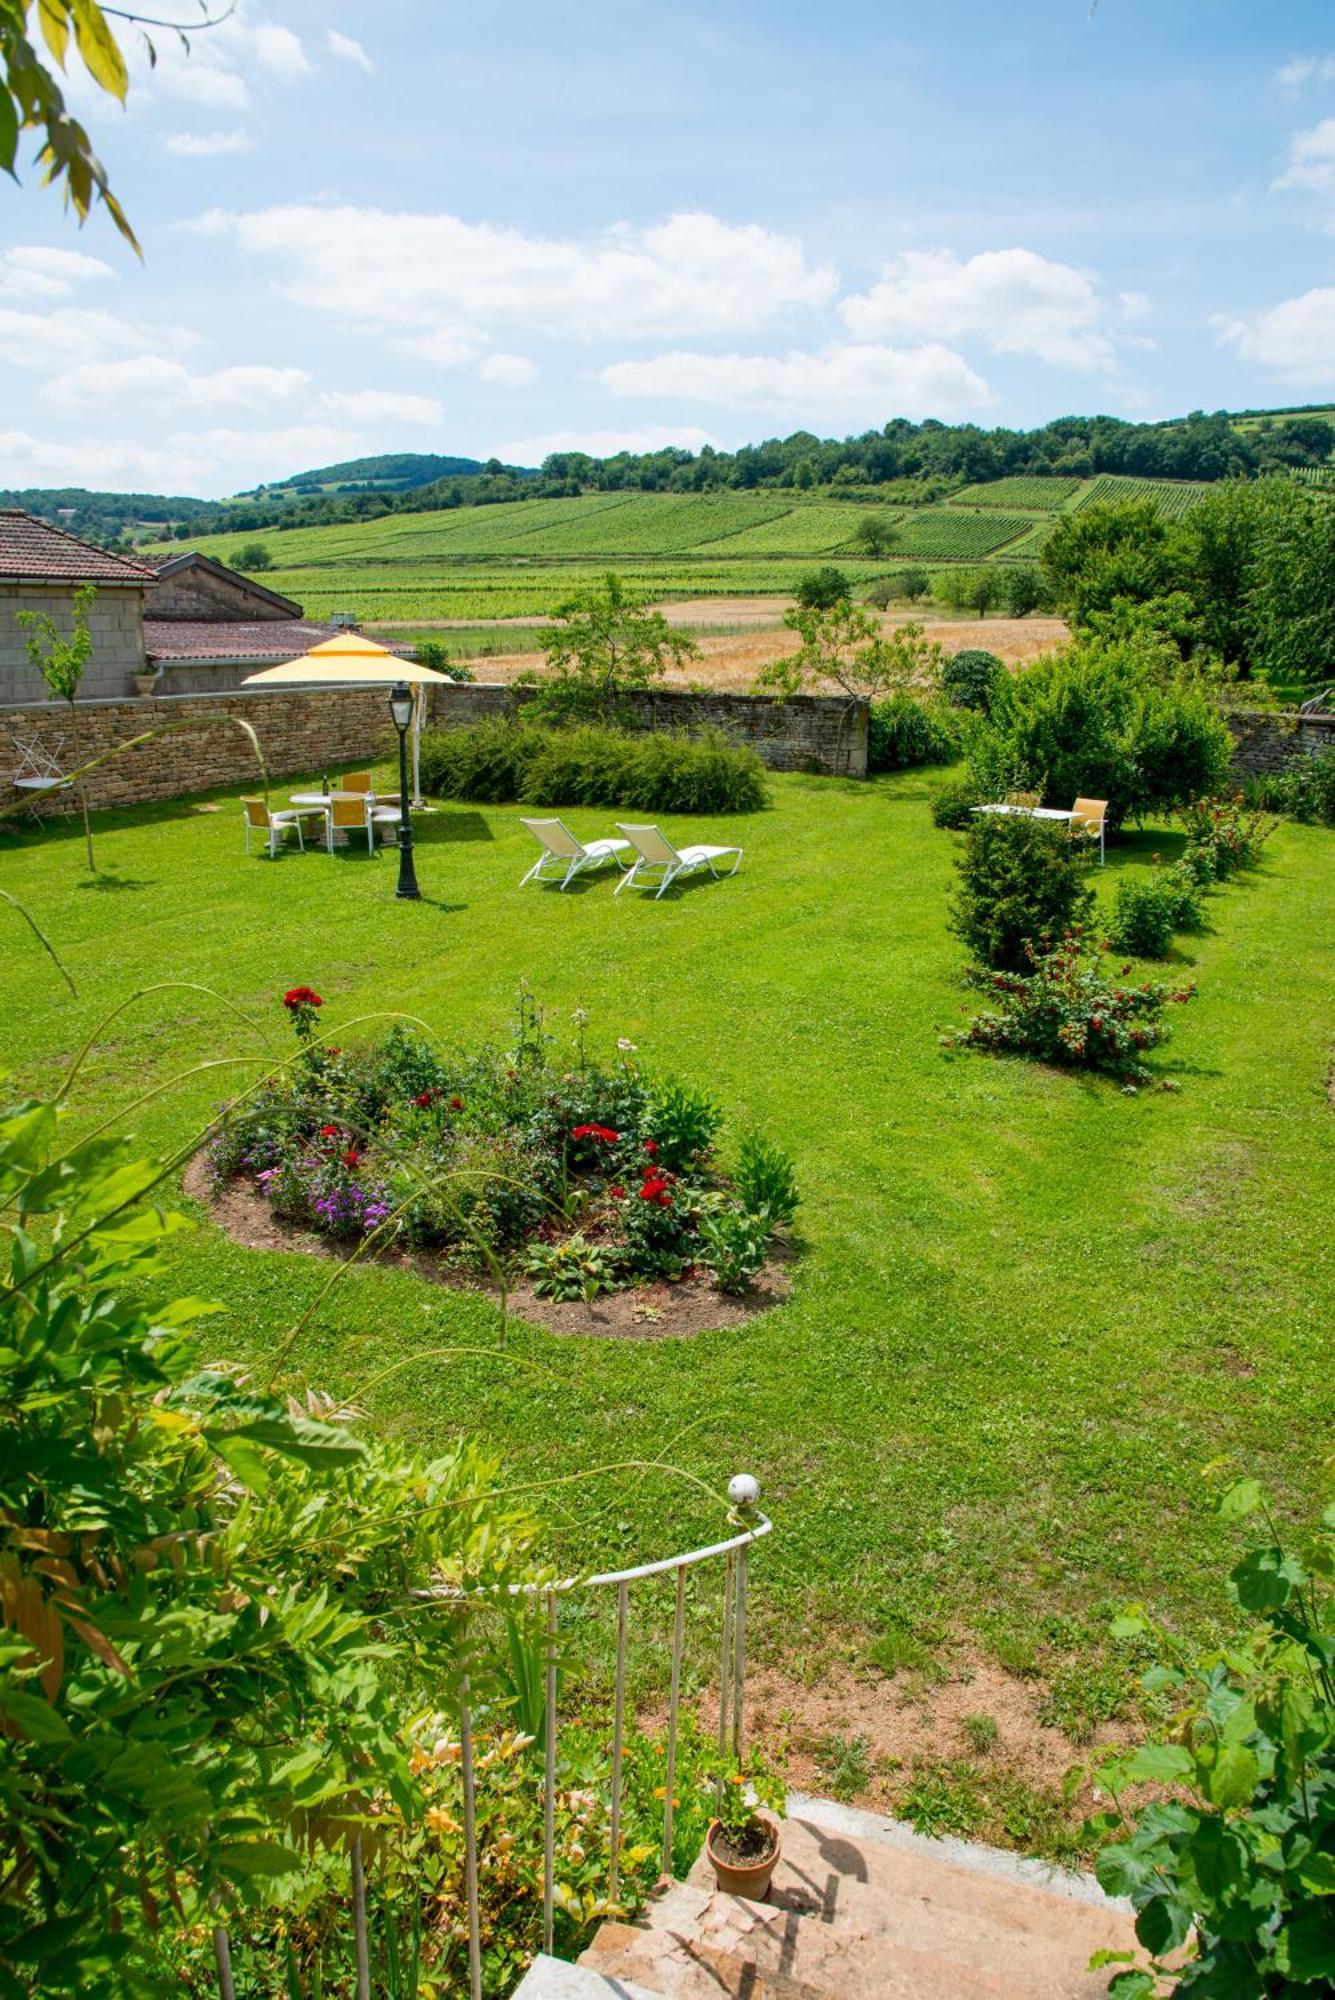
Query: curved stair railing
point(733, 1551)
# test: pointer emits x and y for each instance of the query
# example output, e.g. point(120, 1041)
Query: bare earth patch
point(644, 1312)
point(730, 661)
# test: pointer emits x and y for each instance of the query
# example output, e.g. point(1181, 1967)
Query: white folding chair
point(562, 851)
point(654, 850)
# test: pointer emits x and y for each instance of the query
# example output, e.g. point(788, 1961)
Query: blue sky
point(417, 225)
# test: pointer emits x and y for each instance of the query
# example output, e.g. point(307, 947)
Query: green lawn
point(1030, 1307)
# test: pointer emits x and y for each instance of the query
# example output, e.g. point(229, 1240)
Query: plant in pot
point(745, 1834)
point(145, 681)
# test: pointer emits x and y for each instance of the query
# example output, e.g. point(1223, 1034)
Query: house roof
point(33, 550)
point(195, 559)
point(256, 642)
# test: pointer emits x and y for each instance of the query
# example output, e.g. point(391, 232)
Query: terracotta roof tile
point(260, 640)
point(33, 548)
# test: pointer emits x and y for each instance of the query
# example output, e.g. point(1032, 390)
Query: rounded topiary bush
point(904, 732)
point(970, 679)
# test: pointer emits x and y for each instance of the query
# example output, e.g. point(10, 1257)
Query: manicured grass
point(1029, 1310)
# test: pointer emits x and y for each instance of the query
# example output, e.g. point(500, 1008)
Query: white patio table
point(1027, 812)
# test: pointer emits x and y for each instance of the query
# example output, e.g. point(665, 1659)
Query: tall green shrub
point(1021, 881)
point(905, 732)
point(1116, 719)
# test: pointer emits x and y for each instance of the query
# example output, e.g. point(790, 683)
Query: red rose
point(651, 1145)
point(425, 1097)
point(351, 1157)
point(329, 1132)
point(456, 1104)
point(617, 1193)
point(302, 996)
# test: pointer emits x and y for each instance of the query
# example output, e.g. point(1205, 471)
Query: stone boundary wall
point(304, 730)
point(1265, 743)
point(300, 730)
point(823, 733)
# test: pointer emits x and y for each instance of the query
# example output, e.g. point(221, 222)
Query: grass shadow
point(443, 828)
point(106, 885)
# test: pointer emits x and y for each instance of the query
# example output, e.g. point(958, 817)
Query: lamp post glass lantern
point(401, 708)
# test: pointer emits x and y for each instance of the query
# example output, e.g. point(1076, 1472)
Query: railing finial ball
point(743, 1489)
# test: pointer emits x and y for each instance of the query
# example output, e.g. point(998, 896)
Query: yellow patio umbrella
point(352, 658)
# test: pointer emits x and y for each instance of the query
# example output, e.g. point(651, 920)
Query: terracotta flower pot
point(750, 1878)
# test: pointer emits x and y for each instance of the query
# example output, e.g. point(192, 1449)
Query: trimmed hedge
point(501, 762)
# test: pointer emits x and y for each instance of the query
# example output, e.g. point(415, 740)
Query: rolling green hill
point(523, 558)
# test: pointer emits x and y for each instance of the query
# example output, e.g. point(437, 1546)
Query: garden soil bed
point(643, 1312)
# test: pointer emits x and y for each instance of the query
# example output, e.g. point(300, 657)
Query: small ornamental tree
point(1022, 881)
point(843, 645)
point(875, 534)
point(253, 557)
point(61, 660)
point(605, 647)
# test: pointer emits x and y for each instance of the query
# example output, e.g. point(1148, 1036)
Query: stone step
point(862, 1908)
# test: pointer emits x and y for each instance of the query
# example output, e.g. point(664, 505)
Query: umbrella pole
point(419, 709)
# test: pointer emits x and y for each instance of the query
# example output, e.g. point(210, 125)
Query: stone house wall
point(116, 620)
point(196, 593)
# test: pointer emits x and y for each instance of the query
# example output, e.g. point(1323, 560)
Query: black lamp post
point(401, 708)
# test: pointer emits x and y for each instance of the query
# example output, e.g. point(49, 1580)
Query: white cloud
point(443, 347)
point(1305, 69)
point(276, 51)
point(388, 406)
point(205, 145)
point(250, 456)
point(508, 371)
point(1295, 339)
point(602, 444)
point(691, 274)
point(347, 50)
point(64, 338)
point(1134, 305)
point(44, 462)
point(858, 383)
point(1310, 165)
point(31, 271)
point(96, 385)
point(1014, 300)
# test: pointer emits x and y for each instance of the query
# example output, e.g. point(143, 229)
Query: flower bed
point(579, 1175)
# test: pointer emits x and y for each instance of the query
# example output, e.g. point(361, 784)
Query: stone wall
point(312, 730)
point(807, 733)
point(1264, 744)
point(115, 618)
point(300, 730)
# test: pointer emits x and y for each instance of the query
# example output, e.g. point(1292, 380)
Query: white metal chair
point(562, 851)
point(653, 850)
point(273, 825)
point(379, 815)
point(39, 773)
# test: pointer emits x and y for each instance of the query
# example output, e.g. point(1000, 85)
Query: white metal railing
point(751, 1526)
